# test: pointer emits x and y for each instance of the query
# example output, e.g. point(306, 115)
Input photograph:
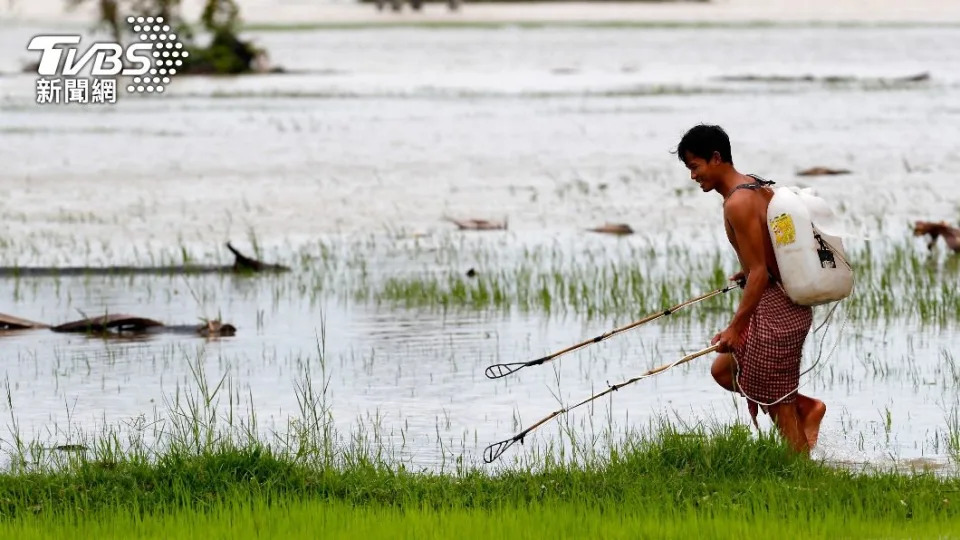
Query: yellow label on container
point(784, 233)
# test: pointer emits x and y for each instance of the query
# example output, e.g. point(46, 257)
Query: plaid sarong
point(768, 360)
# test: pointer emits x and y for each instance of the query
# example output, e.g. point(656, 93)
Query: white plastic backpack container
point(813, 265)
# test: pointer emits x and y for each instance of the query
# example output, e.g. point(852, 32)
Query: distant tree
point(110, 12)
point(226, 53)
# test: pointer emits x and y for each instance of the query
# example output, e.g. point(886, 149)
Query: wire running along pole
point(495, 450)
point(497, 371)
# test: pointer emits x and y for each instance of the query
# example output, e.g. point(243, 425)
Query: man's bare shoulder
point(739, 205)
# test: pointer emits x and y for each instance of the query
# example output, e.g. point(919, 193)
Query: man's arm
point(741, 213)
point(740, 274)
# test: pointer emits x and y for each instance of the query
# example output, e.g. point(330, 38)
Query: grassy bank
point(292, 518)
point(208, 471)
point(671, 482)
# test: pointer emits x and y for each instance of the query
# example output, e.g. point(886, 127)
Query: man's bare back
point(759, 200)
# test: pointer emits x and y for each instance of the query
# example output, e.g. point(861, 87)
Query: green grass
point(622, 280)
point(293, 518)
point(672, 482)
point(901, 282)
point(206, 472)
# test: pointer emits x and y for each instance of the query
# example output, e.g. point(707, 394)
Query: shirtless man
point(761, 349)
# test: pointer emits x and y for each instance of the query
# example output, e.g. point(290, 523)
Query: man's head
point(705, 150)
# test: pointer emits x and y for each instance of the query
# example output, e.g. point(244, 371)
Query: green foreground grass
point(290, 518)
point(717, 483)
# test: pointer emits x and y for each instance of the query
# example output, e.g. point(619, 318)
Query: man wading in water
point(762, 348)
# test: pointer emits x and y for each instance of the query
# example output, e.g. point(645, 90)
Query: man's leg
point(787, 419)
point(811, 411)
point(723, 370)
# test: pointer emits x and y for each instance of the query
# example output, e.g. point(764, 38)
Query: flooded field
point(345, 166)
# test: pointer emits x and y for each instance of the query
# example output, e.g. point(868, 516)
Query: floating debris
point(215, 328)
point(478, 224)
point(242, 263)
point(822, 171)
point(120, 324)
point(618, 229)
point(950, 234)
point(830, 79)
point(104, 323)
point(9, 322)
point(131, 324)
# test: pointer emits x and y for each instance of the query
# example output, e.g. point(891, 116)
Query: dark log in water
point(9, 322)
point(618, 229)
point(241, 264)
point(822, 171)
point(478, 224)
point(829, 79)
point(103, 323)
point(131, 324)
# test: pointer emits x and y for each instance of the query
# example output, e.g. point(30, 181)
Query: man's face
point(702, 171)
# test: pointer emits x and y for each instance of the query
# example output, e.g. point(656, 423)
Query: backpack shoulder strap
point(760, 182)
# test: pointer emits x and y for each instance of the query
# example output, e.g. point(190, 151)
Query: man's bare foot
point(811, 421)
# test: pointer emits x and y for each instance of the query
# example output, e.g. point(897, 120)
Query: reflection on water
point(356, 155)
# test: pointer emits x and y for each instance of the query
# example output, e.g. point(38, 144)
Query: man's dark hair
point(703, 140)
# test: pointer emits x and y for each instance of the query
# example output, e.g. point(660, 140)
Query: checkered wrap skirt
point(768, 359)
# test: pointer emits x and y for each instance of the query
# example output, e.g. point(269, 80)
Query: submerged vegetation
point(899, 282)
point(904, 287)
point(627, 279)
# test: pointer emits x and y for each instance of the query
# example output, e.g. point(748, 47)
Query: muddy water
point(374, 135)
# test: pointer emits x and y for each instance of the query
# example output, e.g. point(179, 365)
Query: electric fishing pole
point(497, 371)
point(495, 450)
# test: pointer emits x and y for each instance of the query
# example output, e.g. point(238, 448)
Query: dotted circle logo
point(168, 54)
